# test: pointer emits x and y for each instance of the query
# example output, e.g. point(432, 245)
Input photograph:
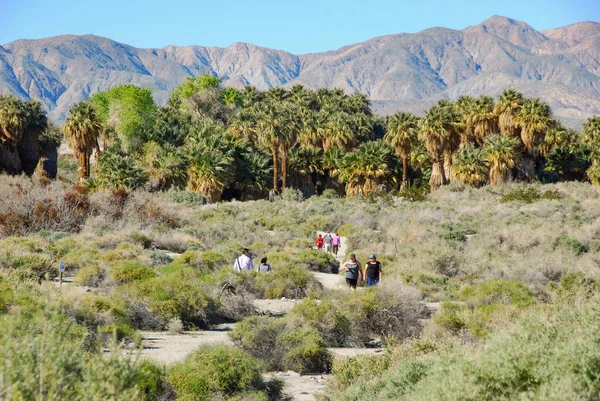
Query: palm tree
point(535, 120)
point(507, 108)
point(437, 128)
point(82, 128)
point(13, 120)
point(402, 130)
point(209, 171)
point(117, 170)
point(336, 132)
point(29, 145)
point(370, 165)
point(484, 120)
point(591, 136)
point(270, 125)
point(165, 166)
point(470, 166)
point(253, 172)
point(591, 132)
point(502, 152)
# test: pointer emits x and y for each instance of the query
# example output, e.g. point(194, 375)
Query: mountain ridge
point(405, 70)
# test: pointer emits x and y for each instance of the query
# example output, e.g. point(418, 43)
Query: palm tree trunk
point(404, 172)
point(437, 175)
point(447, 166)
point(284, 169)
point(275, 170)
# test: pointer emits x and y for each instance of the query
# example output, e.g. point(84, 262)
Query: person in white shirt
point(244, 262)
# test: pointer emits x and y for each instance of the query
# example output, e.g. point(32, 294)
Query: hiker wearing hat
point(243, 262)
point(353, 271)
point(373, 271)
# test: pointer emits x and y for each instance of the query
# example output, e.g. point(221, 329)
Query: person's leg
point(371, 281)
point(352, 282)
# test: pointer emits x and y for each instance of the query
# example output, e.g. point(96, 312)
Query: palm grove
point(227, 143)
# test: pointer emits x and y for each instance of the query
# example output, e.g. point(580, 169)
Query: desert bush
point(160, 258)
point(571, 244)
point(529, 194)
point(177, 294)
point(48, 361)
point(129, 271)
point(30, 207)
point(283, 344)
point(175, 326)
point(141, 239)
point(291, 195)
point(511, 292)
point(414, 193)
point(214, 371)
point(316, 260)
point(383, 312)
point(348, 371)
point(447, 264)
point(152, 384)
point(91, 276)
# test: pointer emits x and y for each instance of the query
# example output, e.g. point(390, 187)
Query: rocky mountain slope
point(408, 71)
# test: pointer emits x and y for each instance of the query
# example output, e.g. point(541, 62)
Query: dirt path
point(334, 281)
point(301, 387)
point(169, 348)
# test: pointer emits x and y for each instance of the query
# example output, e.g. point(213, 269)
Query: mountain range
point(402, 71)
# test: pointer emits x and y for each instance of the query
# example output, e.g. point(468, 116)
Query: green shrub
point(141, 239)
point(446, 264)
point(570, 244)
point(160, 258)
point(214, 371)
point(414, 193)
point(127, 272)
point(529, 194)
point(511, 292)
point(91, 276)
point(316, 260)
point(327, 318)
point(348, 371)
point(179, 294)
point(259, 335)
point(282, 345)
point(306, 351)
point(152, 383)
point(48, 359)
point(38, 265)
point(347, 230)
point(449, 318)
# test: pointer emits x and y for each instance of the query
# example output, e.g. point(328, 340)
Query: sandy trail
point(301, 387)
point(167, 348)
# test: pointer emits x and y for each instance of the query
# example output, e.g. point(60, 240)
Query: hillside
point(409, 71)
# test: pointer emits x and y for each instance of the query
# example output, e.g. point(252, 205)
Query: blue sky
point(296, 26)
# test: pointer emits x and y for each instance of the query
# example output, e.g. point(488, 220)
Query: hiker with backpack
point(353, 271)
point(336, 241)
point(264, 267)
point(328, 239)
point(319, 242)
point(373, 271)
point(243, 262)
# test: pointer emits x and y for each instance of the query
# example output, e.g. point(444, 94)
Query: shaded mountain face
point(404, 71)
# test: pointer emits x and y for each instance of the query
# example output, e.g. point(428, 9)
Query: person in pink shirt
point(336, 242)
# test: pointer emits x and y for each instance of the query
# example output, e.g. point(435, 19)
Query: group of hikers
point(329, 243)
point(370, 273)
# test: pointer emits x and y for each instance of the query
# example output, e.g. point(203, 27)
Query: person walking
point(243, 262)
point(328, 240)
point(373, 271)
point(336, 242)
point(319, 242)
point(264, 267)
point(353, 271)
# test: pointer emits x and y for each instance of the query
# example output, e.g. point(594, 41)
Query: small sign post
point(61, 270)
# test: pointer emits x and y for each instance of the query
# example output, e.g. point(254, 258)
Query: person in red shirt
point(319, 242)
